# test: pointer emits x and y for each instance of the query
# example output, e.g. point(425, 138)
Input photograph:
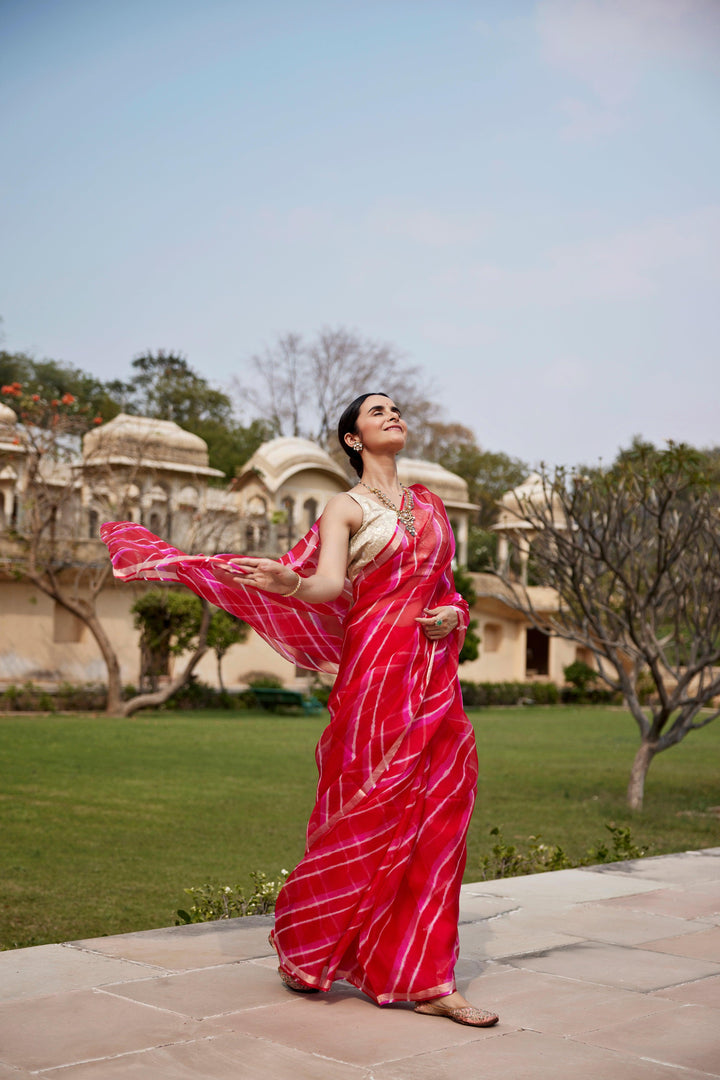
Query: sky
point(522, 196)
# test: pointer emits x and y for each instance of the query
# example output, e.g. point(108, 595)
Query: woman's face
point(380, 425)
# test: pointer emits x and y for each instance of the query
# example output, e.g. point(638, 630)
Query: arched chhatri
point(278, 460)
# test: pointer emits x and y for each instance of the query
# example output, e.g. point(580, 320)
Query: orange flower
point(36, 397)
point(97, 420)
point(67, 399)
point(54, 403)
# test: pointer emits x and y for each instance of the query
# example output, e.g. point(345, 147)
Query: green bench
point(273, 698)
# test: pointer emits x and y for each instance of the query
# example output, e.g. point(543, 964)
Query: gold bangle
point(299, 583)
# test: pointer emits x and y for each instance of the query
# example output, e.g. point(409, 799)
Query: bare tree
point(300, 388)
point(633, 553)
point(52, 542)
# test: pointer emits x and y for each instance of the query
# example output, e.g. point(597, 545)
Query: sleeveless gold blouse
point(377, 529)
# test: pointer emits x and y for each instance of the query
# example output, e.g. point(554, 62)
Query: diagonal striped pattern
point(375, 898)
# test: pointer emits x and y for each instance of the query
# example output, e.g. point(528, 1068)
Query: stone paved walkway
point(608, 973)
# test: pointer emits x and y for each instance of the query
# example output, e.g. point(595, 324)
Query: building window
point(584, 656)
point(289, 508)
point(67, 628)
point(537, 652)
point(93, 524)
point(492, 637)
point(310, 507)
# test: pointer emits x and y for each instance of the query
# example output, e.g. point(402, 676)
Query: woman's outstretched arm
point(342, 517)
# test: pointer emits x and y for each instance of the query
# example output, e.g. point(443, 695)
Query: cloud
point(607, 45)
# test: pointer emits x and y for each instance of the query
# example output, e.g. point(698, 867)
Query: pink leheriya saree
point(375, 898)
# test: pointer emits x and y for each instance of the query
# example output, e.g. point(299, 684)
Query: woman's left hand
point(438, 622)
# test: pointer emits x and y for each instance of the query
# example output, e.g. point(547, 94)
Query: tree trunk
point(636, 788)
point(147, 701)
point(219, 671)
point(113, 705)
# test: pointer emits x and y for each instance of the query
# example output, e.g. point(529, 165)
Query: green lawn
point(104, 822)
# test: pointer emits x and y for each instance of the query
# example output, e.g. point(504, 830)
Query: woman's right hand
point(265, 574)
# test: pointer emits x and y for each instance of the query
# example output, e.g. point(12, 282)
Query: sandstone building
point(155, 473)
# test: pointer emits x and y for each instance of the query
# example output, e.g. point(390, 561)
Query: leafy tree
point(488, 474)
point(482, 549)
point(14, 368)
point(471, 644)
point(225, 630)
point(53, 379)
point(633, 553)
point(164, 385)
point(168, 621)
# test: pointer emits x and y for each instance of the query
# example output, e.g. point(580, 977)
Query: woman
point(375, 898)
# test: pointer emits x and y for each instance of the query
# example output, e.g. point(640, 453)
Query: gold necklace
point(405, 513)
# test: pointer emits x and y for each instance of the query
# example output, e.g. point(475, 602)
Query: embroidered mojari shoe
point(295, 984)
point(463, 1014)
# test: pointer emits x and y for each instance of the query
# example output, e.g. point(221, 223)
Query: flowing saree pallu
point(375, 898)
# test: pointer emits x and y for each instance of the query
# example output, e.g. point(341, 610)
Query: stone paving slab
point(208, 992)
point(697, 902)
point(705, 944)
point(697, 866)
point(559, 1006)
point(83, 1024)
point(473, 907)
point(565, 886)
point(528, 1055)
point(614, 965)
point(8, 1073)
point(704, 992)
point(616, 926)
point(690, 1038)
point(185, 947)
point(344, 1026)
point(501, 938)
point(45, 969)
point(610, 973)
point(227, 1057)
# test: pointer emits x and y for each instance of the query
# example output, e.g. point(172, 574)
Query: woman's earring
point(357, 446)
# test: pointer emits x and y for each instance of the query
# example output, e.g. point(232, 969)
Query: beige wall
point(503, 647)
point(36, 644)
point(36, 637)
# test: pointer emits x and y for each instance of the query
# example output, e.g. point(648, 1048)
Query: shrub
point(31, 698)
point(507, 860)
point(199, 695)
point(264, 679)
point(572, 695)
point(508, 693)
point(545, 693)
point(321, 690)
point(580, 675)
point(228, 902)
point(583, 689)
